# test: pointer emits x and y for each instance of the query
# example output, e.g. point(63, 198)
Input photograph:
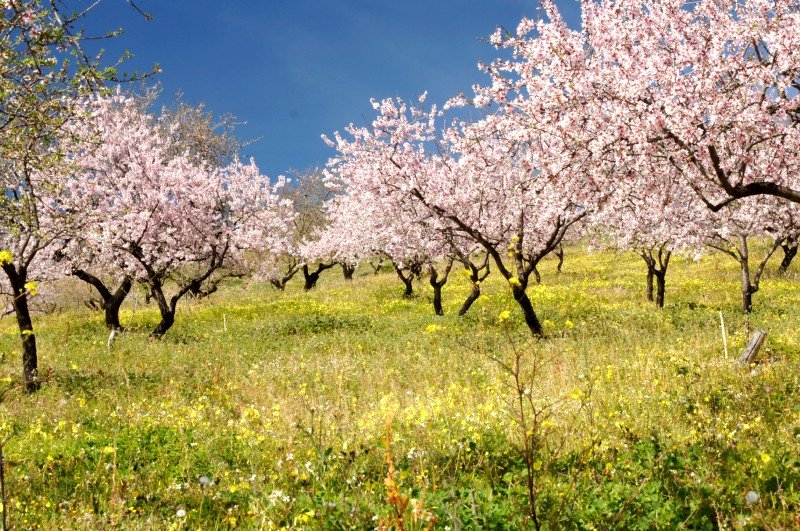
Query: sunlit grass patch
point(266, 409)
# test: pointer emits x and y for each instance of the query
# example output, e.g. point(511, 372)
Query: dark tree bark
point(657, 260)
point(472, 297)
point(523, 261)
point(156, 278)
point(198, 291)
point(477, 274)
point(789, 252)
point(750, 284)
point(166, 308)
point(406, 274)
point(437, 282)
point(112, 302)
point(280, 283)
point(311, 277)
point(748, 287)
point(661, 287)
point(527, 310)
point(30, 362)
point(560, 255)
point(409, 287)
point(347, 270)
point(376, 266)
point(437, 300)
point(537, 275)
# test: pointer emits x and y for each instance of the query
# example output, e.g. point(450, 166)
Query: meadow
point(351, 407)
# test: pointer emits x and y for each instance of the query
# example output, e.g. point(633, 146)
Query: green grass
point(283, 401)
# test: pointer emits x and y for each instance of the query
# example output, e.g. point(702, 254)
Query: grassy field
point(349, 405)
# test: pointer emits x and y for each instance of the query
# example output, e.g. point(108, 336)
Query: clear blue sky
point(296, 69)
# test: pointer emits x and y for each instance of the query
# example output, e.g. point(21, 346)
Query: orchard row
point(659, 127)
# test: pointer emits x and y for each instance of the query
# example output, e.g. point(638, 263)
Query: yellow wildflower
point(32, 287)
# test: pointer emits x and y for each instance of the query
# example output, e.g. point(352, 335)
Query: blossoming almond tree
point(165, 222)
point(362, 224)
point(710, 87)
point(43, 72)
point(478, 180)
point(653, 218)
point(736, 227)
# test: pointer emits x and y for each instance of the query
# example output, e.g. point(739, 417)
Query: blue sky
point(296, 69)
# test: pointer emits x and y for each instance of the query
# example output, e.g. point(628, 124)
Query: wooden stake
point(724, 334)
point(752, 348)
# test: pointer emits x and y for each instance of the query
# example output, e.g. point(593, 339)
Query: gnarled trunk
point(437, 299)
point(30, 361)
point(560, 255)
point(437, 283)
point(376, 267)
point(311, 277)
point(657, 264)
point(527, 310)
point(408, 280)
point(112, 302)
point(661, 287)
point(348, 271)
point(477, 274)
point(789, 252)
point(167, 320)
point(280, 283)
point(741, 253)
point(472, 297)
point(747, 288)
point(165, 308)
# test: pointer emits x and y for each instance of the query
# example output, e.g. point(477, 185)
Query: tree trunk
point(408, 281)
point(409, 284)
point(560, 255)
point(114, 303)
point(527, 311)
point(166, 310)
point(789, 252)
point(30, 361)
point(657, 265)
point(310, 280)
point(747, 287)
point(311, 277)
point(437, 299)
point(347, 271)
point(437, 282)
point(472, 297)
point(747, 300)
point(112, 314)
point(278, 284)
point(661, 287)
point(167, 320)
point(111, 301)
